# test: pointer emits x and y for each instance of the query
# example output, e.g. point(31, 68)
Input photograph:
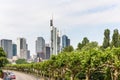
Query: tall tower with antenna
point(55, 39)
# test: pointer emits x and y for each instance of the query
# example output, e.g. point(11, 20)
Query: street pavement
point(24, 76)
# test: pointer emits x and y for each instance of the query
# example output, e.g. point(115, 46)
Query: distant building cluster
point(43, 51)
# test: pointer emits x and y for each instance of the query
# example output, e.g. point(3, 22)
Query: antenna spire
point(51, 21)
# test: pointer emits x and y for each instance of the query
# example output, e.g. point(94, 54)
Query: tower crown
point(51, 22)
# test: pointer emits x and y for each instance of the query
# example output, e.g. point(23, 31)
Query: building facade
point(28, 55)
point(65, 41)
point(22, 48)
point(7, 47)
point(14, 50)
point(40, 47)
point(47, 52)
point(55, 39)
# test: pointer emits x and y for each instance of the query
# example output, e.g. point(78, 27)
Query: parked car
point(11, 75)
point(6, 76)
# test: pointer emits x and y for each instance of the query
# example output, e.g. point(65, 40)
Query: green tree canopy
point(90, 45)
point(85, 41)
point(21, 61)
point(115, 38)
point(68, 49)
point(3, 59)
point(106, 42)
point(79, 46)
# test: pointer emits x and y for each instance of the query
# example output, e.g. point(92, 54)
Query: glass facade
point(22, 48)
point(14, 50)
point(47, 52)
point(65, 41)
point(55, 39)
point(40, 47)
point(7, 47)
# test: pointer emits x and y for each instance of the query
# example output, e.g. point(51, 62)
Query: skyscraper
point(55, 39)
point(22, 48)
point(14, 50)
point(40, 47)
point(28, 54)
point(7, 47)
point(47, 51)
point(65, 41)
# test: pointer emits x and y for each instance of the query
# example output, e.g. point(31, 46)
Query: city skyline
point(76, 19)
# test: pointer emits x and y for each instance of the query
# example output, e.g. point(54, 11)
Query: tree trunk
point(58, 78)
point(63, 78)
point(63, 74)
point(72, 77)
point(49, 76)
point(87, 75)
point(111, 74)
point(115, 75)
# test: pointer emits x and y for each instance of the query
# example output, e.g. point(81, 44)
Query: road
point(23, 76)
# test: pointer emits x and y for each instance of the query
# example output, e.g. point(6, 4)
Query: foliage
point(21, 61)
point(115, 38)
point(68, 49)
point(106, 42)
point(79, 46)
point(90, 45)
point(85, 41)
point(3, 60)
point(89, 64)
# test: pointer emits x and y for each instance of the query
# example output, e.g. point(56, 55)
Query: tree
point(115, 63)
point(90, 45)
point(106, 42)
point(73, 65)
point(119, 40)
point(115, 38)
point(85, 41)
point(21, 61)
point(79, 47)
point(91, 61)
point(3, 59)
point(68, 49)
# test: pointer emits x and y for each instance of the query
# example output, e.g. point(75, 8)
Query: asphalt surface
point(24, 76)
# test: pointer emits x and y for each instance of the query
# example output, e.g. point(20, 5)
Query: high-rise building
point(40, 47)
point(22, 48)
point(28, 55)
point(14, 50)
point(7, 47)
point(55, 39)
point(47, 52)
point(68, 42)
point(65, 41)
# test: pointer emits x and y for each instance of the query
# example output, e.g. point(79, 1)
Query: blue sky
point(75, 18)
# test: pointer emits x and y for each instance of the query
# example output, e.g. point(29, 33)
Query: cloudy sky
point(75, 18)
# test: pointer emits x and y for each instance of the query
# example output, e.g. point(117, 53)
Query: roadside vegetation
point(3, 61)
